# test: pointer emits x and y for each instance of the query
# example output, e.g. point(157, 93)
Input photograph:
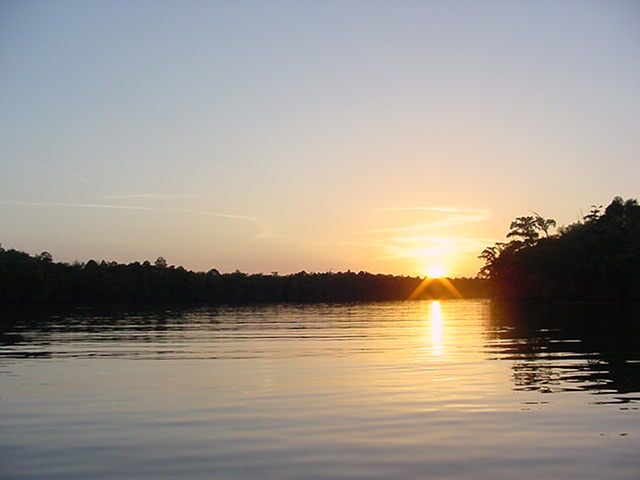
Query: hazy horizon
point(287, 136)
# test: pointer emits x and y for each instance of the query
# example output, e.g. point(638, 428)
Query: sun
point(435, 271)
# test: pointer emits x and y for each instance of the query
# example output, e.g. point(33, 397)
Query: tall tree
point(544, 224)
point(524, 228)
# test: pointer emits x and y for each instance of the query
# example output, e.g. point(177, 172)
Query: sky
point(392, 137)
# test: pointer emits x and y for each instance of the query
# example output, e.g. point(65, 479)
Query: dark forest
point(27, 279)
point(597, 258)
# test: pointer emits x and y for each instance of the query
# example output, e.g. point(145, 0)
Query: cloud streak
point(133, 196)
point(264, 230)
point(420, 234)
point(415, 247)
point(76, 176)
point(436, 217)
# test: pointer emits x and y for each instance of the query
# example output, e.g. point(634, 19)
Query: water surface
point(408, 390)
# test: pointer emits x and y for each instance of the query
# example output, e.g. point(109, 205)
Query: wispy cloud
point(20, 203)
point(418, 234)
point(420, 246)
point(416, 247)
point(432, 217)
point(39, 166)
point(76, 176)
point(264, 230)
point(133, 196)
point(80, 177)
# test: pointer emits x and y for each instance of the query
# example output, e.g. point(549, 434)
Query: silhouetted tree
point(160, 262)
point(598, 258)
point(45, 257)
point(489, 255)
point(594, 213)
point(544, 224)
point(524, 228)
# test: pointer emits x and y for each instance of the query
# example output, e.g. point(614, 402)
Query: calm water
point(413, 390)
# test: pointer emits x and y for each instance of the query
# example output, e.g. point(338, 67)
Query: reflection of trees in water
point(36, 328)
point(569, 347)
point(140, 332)
point(529, 376)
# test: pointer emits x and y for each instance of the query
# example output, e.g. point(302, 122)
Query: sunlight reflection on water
point(412, 390)
point(435, 318)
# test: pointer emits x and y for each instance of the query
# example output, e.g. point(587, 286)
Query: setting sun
point(435, 271)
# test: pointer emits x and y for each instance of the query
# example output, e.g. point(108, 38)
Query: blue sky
point(279, 136)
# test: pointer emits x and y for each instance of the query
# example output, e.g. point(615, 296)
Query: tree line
point(37, 279)
point(596, 258)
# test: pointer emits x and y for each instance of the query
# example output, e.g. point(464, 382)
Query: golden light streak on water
point(435, 319)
